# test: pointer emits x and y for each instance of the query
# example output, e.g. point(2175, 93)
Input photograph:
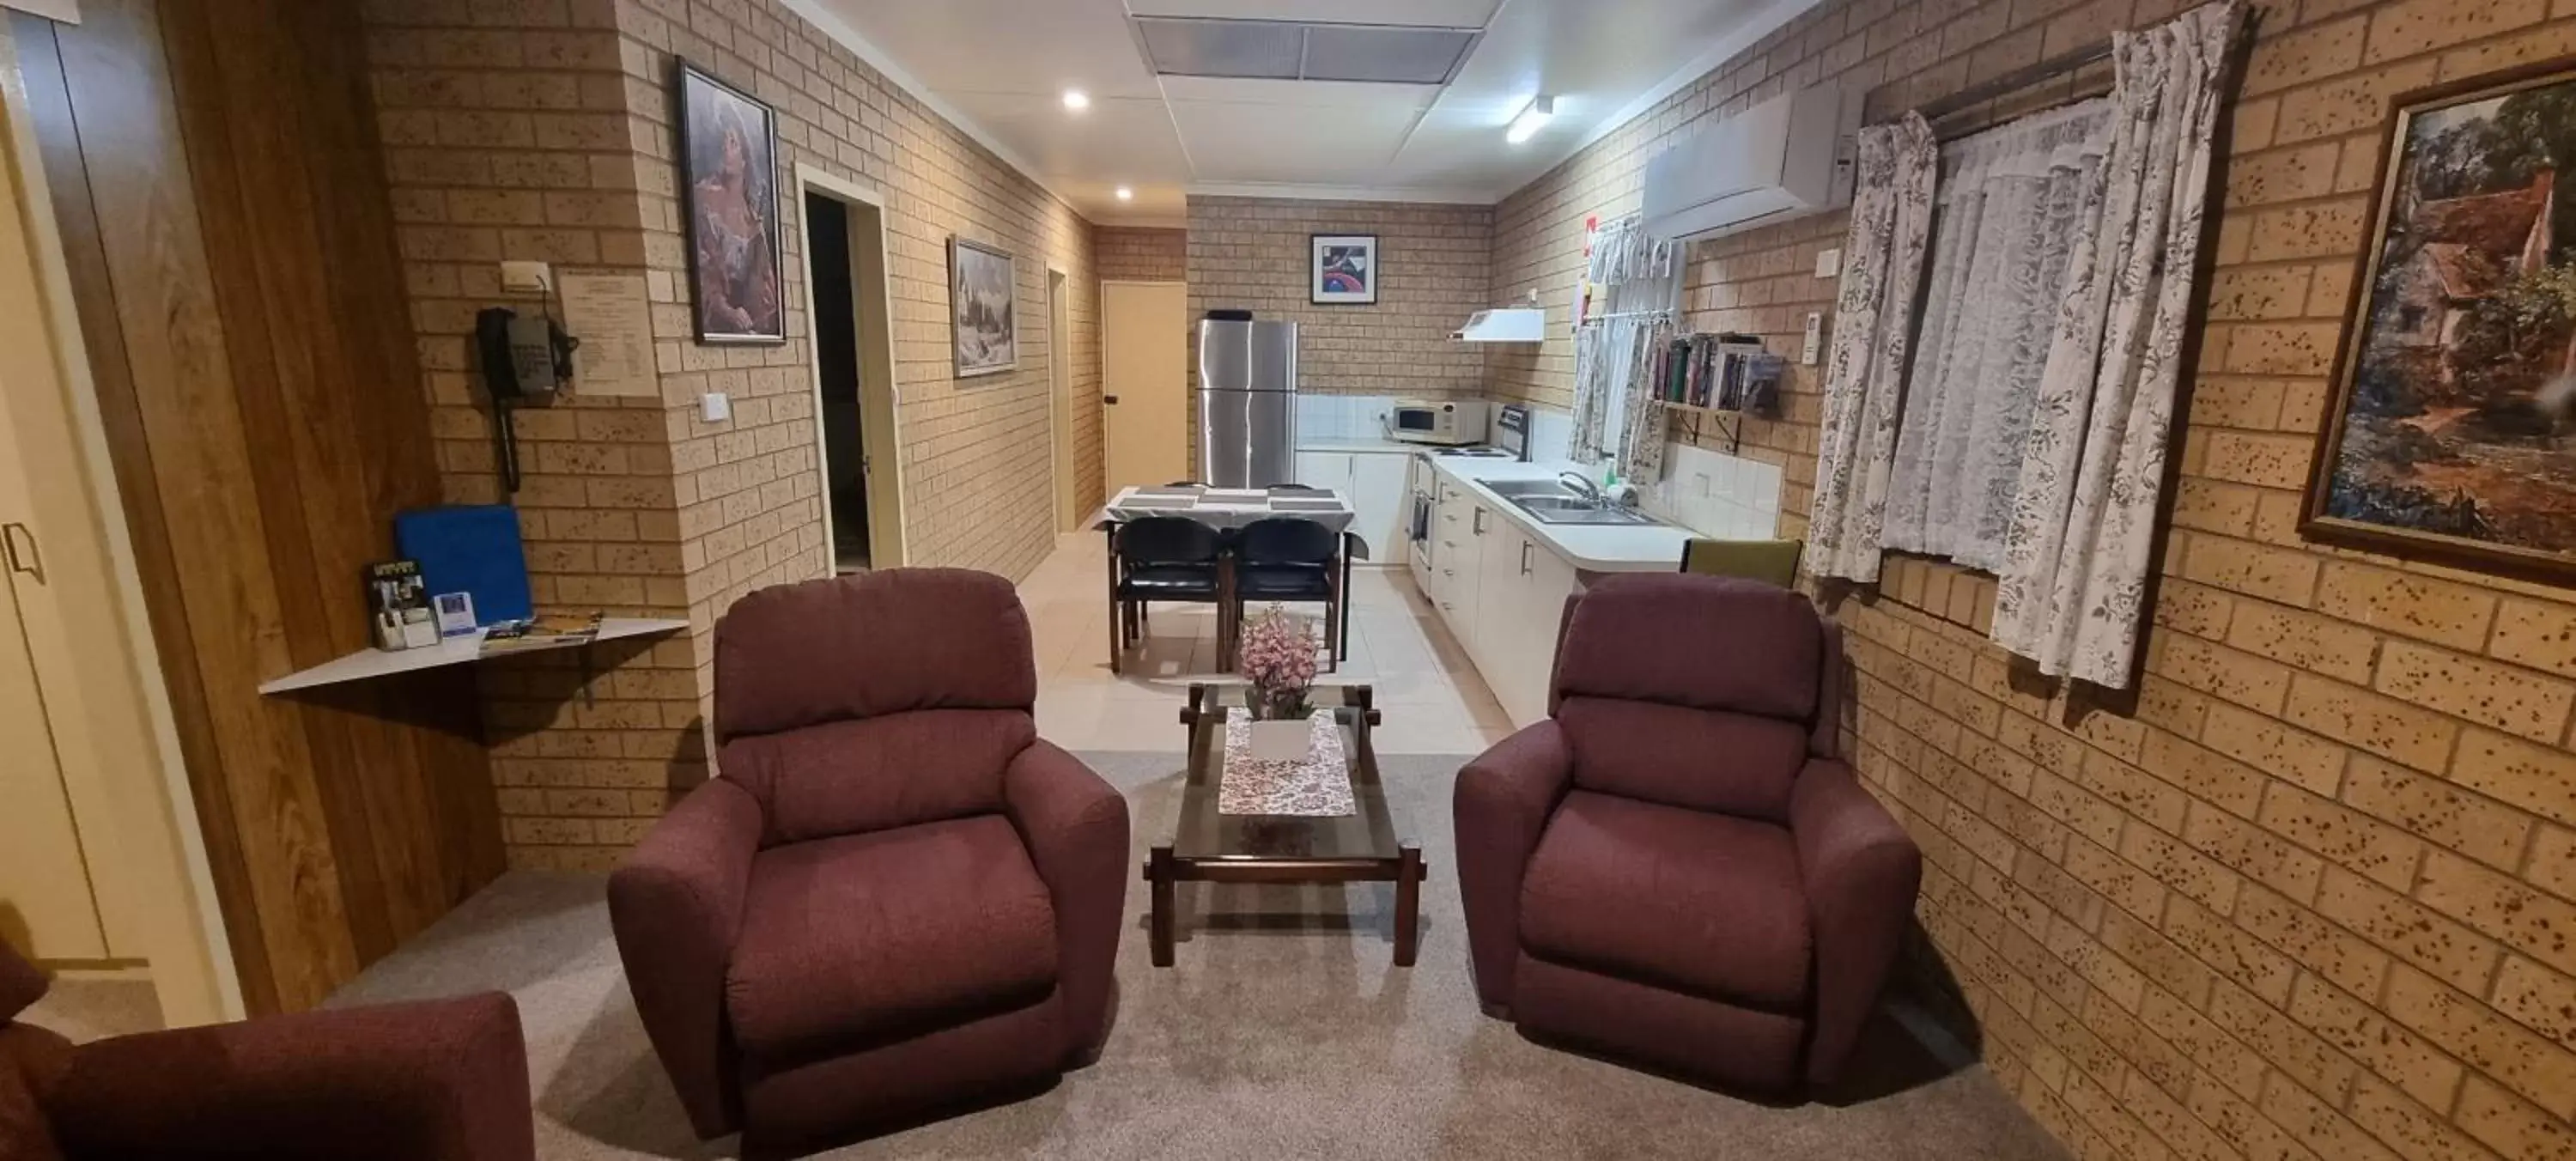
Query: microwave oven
point(1449, 423)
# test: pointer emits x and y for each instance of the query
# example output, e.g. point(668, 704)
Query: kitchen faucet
point(1583, 485)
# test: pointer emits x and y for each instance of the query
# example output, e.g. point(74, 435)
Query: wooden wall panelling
point(58, 140)
point(415, 820)
point(257, 212)
point(274, 407)
point(166, 321)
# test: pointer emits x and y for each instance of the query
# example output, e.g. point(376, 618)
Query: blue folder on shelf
point(473, 549)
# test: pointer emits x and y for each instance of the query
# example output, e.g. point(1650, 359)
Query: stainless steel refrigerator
point(1247, 403)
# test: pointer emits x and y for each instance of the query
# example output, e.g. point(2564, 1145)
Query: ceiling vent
point(1282, 50)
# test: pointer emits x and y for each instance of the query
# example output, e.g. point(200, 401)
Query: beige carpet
point(1283, 1031)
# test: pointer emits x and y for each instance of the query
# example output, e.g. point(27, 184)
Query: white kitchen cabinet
point(1497, 561)
point(1374, 483)
point(1378, 494)
point(1453, 561)
point(1546, 580)
point(1324, 470)
point(1501, 590)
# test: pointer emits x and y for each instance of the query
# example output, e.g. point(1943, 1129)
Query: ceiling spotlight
point(1076, 100)
point(1531, 120)
point(1125, 194)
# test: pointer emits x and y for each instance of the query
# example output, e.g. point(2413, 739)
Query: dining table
point(1227, 509)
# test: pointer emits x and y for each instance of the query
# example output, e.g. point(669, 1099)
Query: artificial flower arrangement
point(1278, 658)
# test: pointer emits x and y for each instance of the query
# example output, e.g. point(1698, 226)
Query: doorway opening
point(836, 364)
point(855, 417)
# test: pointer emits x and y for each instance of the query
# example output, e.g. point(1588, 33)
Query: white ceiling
point(1000, 67)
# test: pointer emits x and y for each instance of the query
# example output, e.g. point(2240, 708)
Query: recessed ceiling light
point(1531, 120)
point(1125, 194)
point(1076, 100)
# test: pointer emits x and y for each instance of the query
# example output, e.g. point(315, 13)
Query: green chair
point(1771, 561)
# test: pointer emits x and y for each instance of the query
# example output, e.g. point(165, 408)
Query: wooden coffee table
point(1208, 847)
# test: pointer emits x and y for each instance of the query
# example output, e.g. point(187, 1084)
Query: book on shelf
point(544, 631)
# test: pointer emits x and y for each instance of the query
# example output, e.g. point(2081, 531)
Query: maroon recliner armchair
point(1677, 867)
point(896, 901)
point(443, 1080)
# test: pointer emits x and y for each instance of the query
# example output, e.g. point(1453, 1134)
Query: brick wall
point(975, 459)
point(542, 129)
point(2307, 892)
point(1140, 253)
point(1435, 270)
point(506, 136)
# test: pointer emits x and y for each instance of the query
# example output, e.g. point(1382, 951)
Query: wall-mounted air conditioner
point(1785, 158)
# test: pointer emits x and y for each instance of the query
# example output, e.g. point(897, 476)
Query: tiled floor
point(1434, 702)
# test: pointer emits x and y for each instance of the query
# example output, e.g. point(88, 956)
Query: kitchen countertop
point(1361, 443)
point(1589, 547)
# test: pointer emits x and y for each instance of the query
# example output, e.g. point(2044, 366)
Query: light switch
point(715, 407)
point(527, 277)
point(1814, 342)
point(1829, 263)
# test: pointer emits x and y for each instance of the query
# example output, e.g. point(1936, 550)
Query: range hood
point(1521, 324)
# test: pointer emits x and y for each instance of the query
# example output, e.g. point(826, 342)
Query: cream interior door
point(47, 910)
point(1144, 387)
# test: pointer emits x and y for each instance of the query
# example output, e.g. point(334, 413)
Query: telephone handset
point(525, 361)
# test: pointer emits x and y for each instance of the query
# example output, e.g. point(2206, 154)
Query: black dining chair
point(1162, 558)
point(1289, 560)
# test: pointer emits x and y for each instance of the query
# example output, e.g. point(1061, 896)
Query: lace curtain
point(2006, 219)
point(1891, 220)
point(2073, 579)
point(1615, 416)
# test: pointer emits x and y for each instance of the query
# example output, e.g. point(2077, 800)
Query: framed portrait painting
point(2450, 430)
point(1345, 269)
point(729, 191)
point(983, 298)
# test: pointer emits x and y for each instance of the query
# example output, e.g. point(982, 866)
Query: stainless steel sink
point(1576, 510)
point(1514, 490)
point(1551, 502)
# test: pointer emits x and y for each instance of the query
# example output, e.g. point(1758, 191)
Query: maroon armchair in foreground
point(896, 900)
point(445, 1080)
point(1677, 867)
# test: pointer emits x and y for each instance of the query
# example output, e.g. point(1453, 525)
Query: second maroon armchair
point(1678, 867)
point(896, 900)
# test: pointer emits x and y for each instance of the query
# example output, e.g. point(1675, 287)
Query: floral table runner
point(1317, 785)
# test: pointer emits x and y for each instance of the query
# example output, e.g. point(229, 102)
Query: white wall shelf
point(368, 664)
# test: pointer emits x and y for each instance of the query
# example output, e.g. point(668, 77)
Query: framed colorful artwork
point(1345, 269)
point(2450, 427)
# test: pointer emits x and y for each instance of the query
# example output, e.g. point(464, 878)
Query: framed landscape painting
point(2451, 428)
point(1345, 269)
point(729, 191)
point(982, 289)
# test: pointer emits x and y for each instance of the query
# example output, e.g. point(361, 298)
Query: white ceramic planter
point(1286, 741)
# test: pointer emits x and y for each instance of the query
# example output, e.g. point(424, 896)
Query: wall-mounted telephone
point(525, 361)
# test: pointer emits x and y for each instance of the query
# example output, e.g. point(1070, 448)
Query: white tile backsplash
point(1333, 418)
point(1712, 493)
point(1716, 494)
point(1739, 500)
